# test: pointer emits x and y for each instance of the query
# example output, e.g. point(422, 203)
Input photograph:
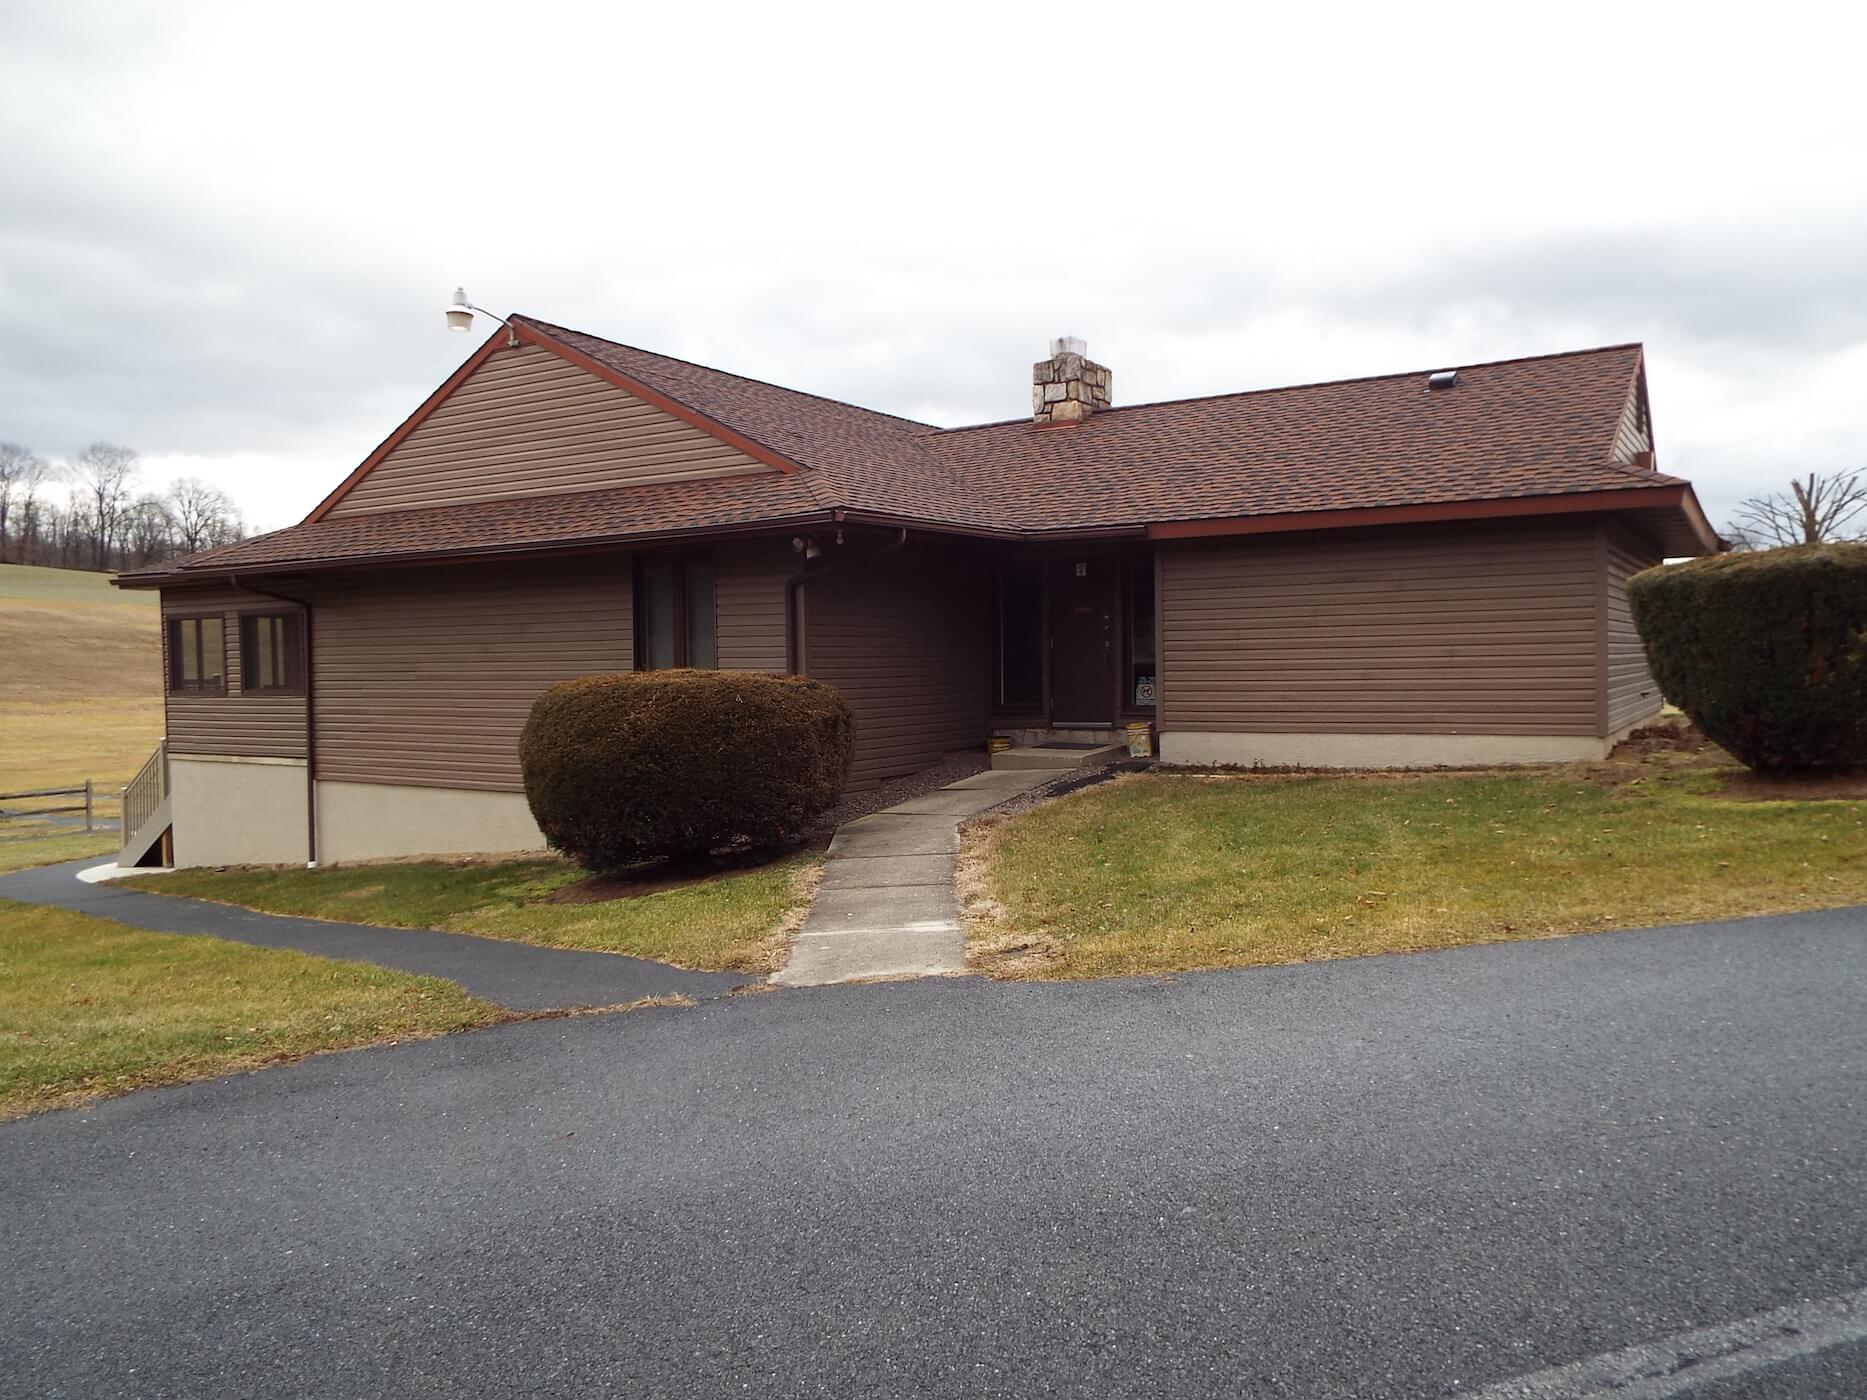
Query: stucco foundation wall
point(375, 821)
point(1376, 750)
point(237, 811)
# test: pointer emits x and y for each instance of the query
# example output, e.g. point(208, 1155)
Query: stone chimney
point(1067, 388)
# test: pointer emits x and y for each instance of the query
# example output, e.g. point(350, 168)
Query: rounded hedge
point(623, 769)
point(1766, 651)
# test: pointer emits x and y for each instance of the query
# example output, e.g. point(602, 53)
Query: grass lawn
point(740, 921)
point(89, 1007)
point(1163, 872)
point(26, 843)
point(81, 690)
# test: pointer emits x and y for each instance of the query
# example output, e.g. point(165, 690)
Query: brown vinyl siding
point(1634, 435)
point(528, 423)
point(1632, 694)
point(749, 581)
point(425, 678)
point(907, 639)
point(1481, 630)
point(233, 725)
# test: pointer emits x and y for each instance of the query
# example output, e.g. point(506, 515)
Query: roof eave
point(1690, 531)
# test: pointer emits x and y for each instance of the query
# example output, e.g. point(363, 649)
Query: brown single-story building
point(1415, 569)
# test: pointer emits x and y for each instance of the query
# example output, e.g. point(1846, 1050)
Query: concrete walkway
point(886, 906)
point(521, 976)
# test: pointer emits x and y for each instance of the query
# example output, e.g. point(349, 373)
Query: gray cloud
point(207, 268)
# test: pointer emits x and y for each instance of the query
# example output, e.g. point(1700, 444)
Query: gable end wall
point(529, 423)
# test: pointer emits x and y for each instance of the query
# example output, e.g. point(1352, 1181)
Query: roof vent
point(1442, 379)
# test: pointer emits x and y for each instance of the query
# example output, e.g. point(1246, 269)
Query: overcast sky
point(227, 231)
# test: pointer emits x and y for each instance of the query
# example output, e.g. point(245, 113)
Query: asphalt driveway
point(1390, 1176)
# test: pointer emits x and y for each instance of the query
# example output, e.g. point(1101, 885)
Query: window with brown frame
point(197, 655)
point(1140, 682)
point(675, 618)
point(271, 653)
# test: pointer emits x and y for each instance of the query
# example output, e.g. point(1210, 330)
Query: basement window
point(676, 622)
point(197, 655)
point(271, 653)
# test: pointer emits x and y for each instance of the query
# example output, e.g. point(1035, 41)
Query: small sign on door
point(1082, 571)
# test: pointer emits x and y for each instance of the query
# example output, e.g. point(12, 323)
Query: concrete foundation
point(375, 821)
point(238, 811)
point(1378, 750)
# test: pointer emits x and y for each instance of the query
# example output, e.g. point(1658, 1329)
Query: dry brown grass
point(81, 683)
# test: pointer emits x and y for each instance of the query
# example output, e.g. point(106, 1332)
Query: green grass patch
point(24, 844)
point(89, 1007)
point(736, 921)
point(39, 584)
point(1164, 872)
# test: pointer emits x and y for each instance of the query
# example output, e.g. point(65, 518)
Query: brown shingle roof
point(1511, 429)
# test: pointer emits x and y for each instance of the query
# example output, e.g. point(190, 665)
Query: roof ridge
point(550, 326)
point(1307, 384)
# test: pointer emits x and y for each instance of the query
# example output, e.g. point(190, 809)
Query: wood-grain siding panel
point(528, 423)
point(1486, 630)
point(749, 581)
point(425, 678)
point(907, 639)
point(1633, 695)
point(1633, 436)
point(231, 725)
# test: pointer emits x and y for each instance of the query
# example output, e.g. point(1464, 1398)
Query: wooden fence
point(88, 806)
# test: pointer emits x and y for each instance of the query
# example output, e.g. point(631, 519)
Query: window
point(271, 653)
point(674, 615)
point(197, 655)
point(1018, 638)
point(1141, 684)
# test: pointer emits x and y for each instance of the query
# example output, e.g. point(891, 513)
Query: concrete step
point(1059, 758)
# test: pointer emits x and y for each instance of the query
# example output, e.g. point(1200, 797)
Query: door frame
point(1045, 558)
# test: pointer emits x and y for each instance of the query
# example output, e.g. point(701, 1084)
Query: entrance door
point(1082, 641)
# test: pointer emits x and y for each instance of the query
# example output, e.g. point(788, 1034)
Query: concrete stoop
point(1051, 759)
point(886, 906)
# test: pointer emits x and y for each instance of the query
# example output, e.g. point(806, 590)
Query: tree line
point(91, 513)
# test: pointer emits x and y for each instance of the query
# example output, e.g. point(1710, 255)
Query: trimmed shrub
point(622, 769)
point(1767, 652)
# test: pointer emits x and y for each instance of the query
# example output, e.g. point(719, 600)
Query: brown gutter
point(1646, 497)
point(792, 660)
point(311, 716)
point(530, 549)
point(1679, 496)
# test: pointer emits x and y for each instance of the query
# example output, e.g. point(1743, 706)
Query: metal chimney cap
point(1069, 345)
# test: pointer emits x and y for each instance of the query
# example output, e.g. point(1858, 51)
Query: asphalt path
point(522, 976)
point(1443, 1174)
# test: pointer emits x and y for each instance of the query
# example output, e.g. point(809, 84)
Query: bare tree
point(203, 515)
point(1814, 510)
point(108, 474)
point(20, 475)
point(148, 532)
point(31, 512)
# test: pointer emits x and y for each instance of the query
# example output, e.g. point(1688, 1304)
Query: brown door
point(1082, 641)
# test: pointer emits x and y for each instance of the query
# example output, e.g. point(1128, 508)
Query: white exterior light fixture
point(460, 314)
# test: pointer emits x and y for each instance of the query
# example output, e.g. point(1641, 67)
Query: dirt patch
point(672, 875)
point(1746, 786)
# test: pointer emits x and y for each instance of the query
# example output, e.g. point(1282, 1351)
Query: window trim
point(294, 687)
point(172, 682)
point(679, 564)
